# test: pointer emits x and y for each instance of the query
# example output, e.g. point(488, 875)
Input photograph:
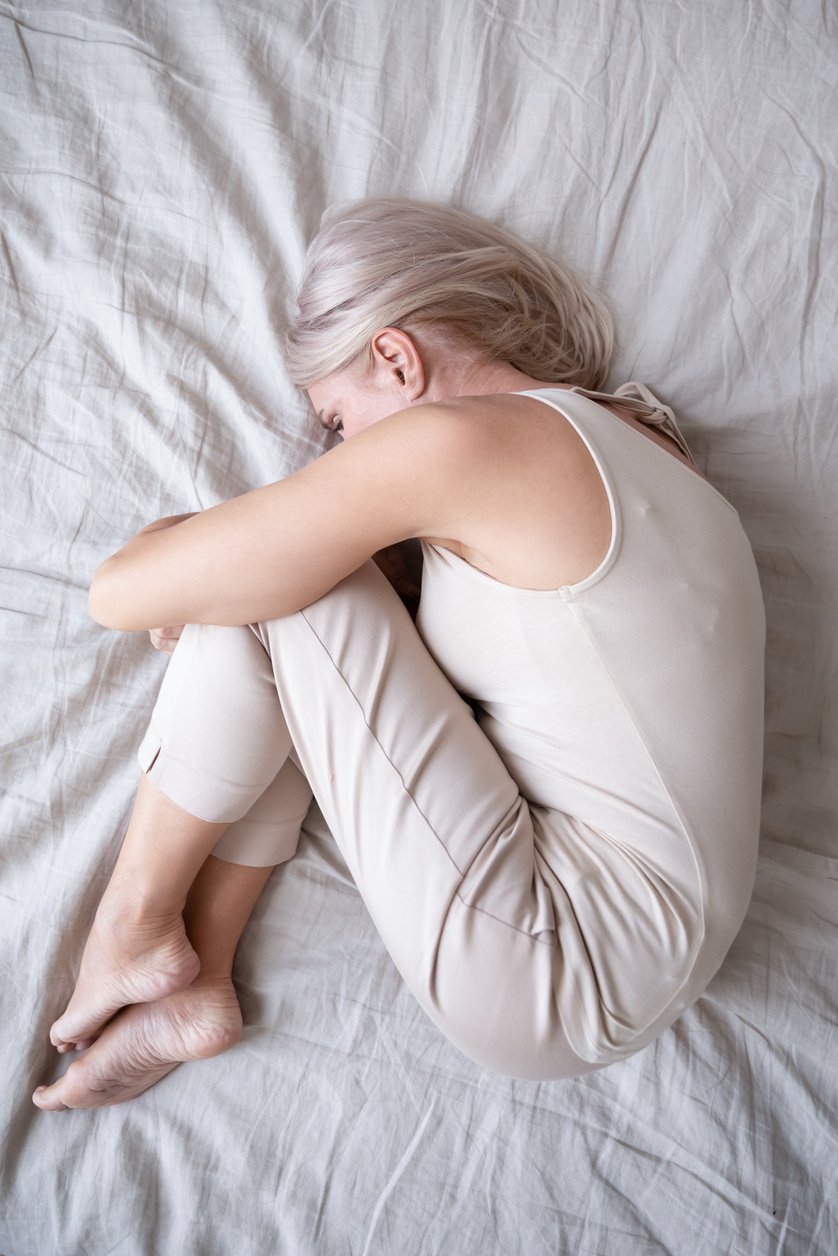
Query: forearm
point(131, 549)
point(170, 521)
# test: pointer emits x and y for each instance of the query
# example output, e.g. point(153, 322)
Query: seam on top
point(625, 1047)
point(702, 886)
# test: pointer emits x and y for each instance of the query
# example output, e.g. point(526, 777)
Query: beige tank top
point(630, 702)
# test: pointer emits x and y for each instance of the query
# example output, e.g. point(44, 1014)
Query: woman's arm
point(390, 562)
point(272, 551)
point(168, 522)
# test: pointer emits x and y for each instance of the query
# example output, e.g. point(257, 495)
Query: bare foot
point(145, 1042)
point(124, 962)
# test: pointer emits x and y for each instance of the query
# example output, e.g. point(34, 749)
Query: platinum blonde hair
point(389, 261)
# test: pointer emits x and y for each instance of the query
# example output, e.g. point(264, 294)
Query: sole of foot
point(123, 964)
point(145, 1042)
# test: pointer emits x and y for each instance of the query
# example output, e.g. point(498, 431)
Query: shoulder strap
point(640, 399)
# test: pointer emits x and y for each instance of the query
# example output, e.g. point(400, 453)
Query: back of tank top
point(633, 700)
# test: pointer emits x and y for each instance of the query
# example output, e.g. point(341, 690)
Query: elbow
point(103, 601)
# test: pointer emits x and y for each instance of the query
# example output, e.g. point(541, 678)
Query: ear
point(397, 359)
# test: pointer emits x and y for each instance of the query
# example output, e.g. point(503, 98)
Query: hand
point(166, 639)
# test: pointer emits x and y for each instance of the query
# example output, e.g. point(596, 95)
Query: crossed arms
point(274, 550)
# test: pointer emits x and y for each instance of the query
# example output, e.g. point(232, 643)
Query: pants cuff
point(254, 840)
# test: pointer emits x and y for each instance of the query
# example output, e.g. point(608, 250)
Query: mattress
point(161, 171)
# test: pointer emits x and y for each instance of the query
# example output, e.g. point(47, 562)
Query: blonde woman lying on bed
point(547, 789)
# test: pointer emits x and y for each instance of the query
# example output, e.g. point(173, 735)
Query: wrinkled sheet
point(162, 168)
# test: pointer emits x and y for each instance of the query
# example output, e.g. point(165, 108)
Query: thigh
point(389, 747)
point(432, 826)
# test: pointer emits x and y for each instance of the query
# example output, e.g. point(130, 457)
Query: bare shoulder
point(499, 420)
point(476, 434)
point(526, 502)
point(449, 466)
point(415, 466)
point(499, 479)
point(499, 438)
point(463, 454)
point(437, 440)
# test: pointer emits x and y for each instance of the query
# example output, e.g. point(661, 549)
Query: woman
point(548, 789)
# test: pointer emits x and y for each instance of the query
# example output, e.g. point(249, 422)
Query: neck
point(480, 379)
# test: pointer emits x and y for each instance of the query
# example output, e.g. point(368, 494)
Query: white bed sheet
point(162, 167)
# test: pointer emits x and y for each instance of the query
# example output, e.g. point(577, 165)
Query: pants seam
point(515, 928)
point(430, 827)
point(375, 738)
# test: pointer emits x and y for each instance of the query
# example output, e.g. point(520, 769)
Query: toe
point(61, 1035)
point(46, 1098)
point(56, 1037)
point(80, 1087)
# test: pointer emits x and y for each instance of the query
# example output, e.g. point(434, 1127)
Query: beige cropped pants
point(343, 700)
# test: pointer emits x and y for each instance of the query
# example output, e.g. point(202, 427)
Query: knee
point(363, 604)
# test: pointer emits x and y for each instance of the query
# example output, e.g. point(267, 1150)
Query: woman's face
point(351, 399)
point(398, 370)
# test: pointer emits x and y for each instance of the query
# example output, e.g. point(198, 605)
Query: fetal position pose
point(544, 778)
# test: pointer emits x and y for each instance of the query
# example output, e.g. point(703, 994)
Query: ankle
point(218, 978)
point(120, 910)
point(216, 961)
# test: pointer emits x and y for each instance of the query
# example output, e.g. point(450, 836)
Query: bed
point(162, 169)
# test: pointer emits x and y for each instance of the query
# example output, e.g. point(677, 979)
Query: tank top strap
point(648, 408)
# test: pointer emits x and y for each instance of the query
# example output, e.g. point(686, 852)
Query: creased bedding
point(162, 167)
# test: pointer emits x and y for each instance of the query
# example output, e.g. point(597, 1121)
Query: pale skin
point(435, 444)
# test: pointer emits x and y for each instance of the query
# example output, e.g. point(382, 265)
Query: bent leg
point(432, 826)
point(203, 788)
point(217, 745)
